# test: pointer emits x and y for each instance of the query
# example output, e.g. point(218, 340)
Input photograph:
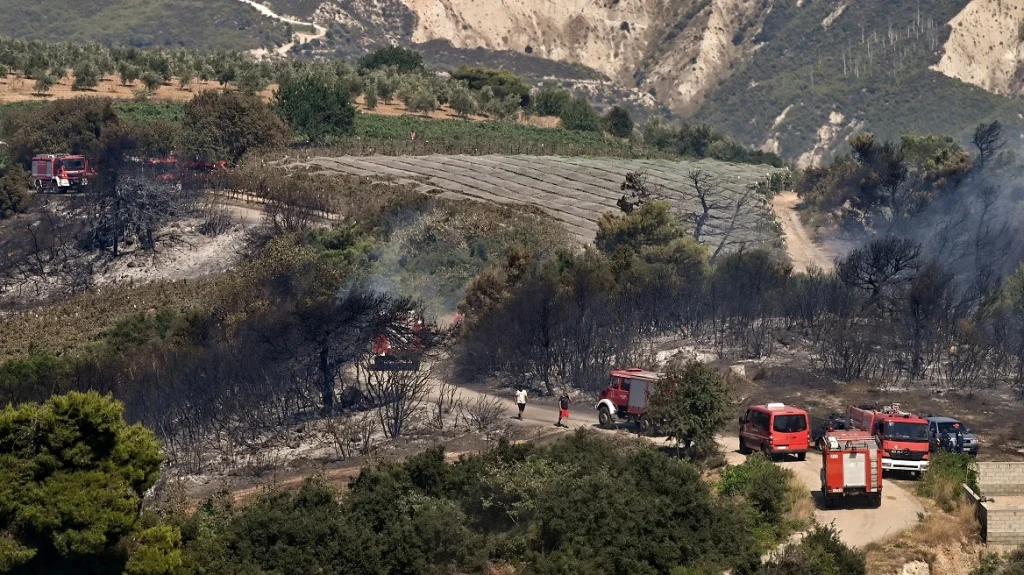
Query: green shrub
point(317, 106)
point(15, 185)
point(578, 115)
point(225, 126)
point(501, 82)
point(73, 126)
point(550, 101)
point(618, 122)
point(947, 473)
point(762, 483)
point(821, 552)
point(402, 59)
point(72, 477)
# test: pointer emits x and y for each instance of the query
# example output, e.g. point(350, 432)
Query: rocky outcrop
point(985, 46)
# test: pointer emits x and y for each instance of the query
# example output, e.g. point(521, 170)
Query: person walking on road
point(563, 410)
point(521, 400)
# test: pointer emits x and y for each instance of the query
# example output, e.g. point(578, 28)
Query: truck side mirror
point(743, 420)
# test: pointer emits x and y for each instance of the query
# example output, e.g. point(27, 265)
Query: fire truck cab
point(850, 467)
point(625, 398)
point(903, 436)
point(61, 172)
point(775, 429)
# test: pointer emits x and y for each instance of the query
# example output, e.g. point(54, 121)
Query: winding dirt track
point(799, 245)
point(857, 526)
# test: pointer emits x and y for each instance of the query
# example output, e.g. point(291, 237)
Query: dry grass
point(949, 543)
point(800, 502)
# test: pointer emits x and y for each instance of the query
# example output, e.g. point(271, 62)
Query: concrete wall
point(1003, 526)
point(1001, 478)
point(1001, 518)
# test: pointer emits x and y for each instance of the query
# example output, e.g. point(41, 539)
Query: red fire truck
point(61, 172)
point(400, 351)
point(850, 467)
point(903, 436)
point(625, 397)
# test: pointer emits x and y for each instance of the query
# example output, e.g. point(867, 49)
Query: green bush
point(947, 473)
point(550, 101)
point(501, 82)
point(317, 106)
point(762, 483)
point(578, 115)
point(72, 477)
point(402, 59)
point(225, 126)
point(994, 564)
point(618, 122)
point(820, 552)
point(73, 126)
point(552, 509)
point(15, 184)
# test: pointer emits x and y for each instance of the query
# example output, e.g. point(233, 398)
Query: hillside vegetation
point(208, 24)
point(870, 65)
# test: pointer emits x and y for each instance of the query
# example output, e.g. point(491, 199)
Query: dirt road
point(299, 37)
point(856, 526)
point(799, 245)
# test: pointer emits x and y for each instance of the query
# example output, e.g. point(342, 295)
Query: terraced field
point(576, 191)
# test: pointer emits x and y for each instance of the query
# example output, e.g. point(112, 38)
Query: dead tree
point(396, 394)
point(705, 186)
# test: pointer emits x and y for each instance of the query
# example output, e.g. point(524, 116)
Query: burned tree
point(638, 188)
point(395, 394)
point(134, 208)
point(880, 266)
point(988, 139)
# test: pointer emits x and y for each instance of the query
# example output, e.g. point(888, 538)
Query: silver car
point(939, 426)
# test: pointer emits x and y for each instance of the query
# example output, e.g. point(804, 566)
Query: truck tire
point(876, 500)
point(744, 450)
point(604, 418)
point(644, 425)
point(801, 456)
point(830, 502)
point(764, 449)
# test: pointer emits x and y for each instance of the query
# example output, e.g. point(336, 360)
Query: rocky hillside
point(792, 76)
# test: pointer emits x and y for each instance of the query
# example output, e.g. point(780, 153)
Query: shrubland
point(76, 473)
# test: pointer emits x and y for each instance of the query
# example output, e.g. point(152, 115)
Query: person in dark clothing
point(563, 410)
point(958, 437)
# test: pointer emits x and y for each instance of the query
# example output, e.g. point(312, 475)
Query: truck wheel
point(801, 456)
point(39, 187)
point(744, 450)
point(830, 502)
point(876, 500)
point(604, 418)
point(644, 424)
point(768, 454)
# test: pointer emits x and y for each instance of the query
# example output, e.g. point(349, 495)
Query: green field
point(207, 24)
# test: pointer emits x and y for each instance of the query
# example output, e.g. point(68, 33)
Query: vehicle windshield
point(906, 431)
point(947, 427)
point(790, 423)
point(73, 165)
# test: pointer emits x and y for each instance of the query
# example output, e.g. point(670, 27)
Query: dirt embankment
point(679, 48)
